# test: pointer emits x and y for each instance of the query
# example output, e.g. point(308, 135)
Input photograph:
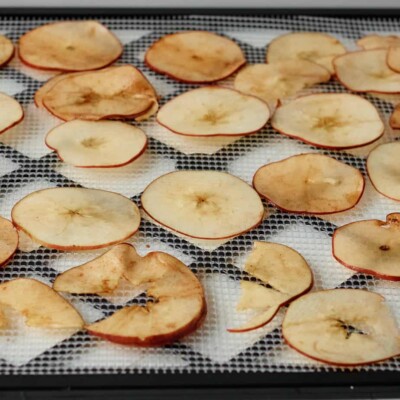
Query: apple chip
point(214, 111)
point(76, 218)
point(330, 120)
point(203, 204)
point(310, 46)
point(7, 50)
point(114, 92)
point(8, 241)
point(344, 327)
point(69, 46)
point(286, 274)
point(393, 57)
point(394, 120)
point(310, 184)
point(11, 112)
point(195, 56)
point(97, 144)
point(372, 42)
point(367, 71)
point(271, 82)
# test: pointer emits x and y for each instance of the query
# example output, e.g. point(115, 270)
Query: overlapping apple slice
point(203, 204)
point(330, 120)
point(8, 241)
point(393, 57)
point(286, 275)
point(195, 56)
point(372, 42)
point(271, 82)
point(69, 46)
point(7, 50)
point(11, 112)
point(310, 46)
point(76, 218)
point(394, 120)
point(97, 144)
point(214, 111)
point(114, 92)
point(344, 327)
point(310, 184)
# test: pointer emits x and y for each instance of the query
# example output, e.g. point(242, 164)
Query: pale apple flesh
point(394, 120)
point(25, 243)
point(8, 241)
point(372, 42)
point(393, 57)
point(11, 112)
point(7, 50)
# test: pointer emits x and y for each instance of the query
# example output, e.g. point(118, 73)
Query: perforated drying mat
point(27, 165)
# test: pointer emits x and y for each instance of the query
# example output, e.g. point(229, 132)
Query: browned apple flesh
point(344, 327)
point(394, 120)
point(195, 56)
point(7, 50)
point(310, 184)
point(69, 46)
point(393, 57)
point(8, 241)
point(11, 112)
point(372, 42)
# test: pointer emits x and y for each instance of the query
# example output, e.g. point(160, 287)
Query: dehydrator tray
point(211, 357)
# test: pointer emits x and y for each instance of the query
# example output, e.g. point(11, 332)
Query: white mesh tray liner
point(27, 165)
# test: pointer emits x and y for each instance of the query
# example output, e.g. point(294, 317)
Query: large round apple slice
point(310, 184)
point(76, 218)
point(214, 111)
point(393, 57)
point(196, 56)
point(69, 46)
point(114, 92)
point(394, 120)
point(286, 275)
point(367, 71)
point(97, 144)
point(7, 50)
point(330, 120)
point(344, 327)
point(310, 46)
point(8, 241)
point(372, 42)
point(11, 112)
point(203, 204)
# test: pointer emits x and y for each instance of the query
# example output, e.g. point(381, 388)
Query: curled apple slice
point(372, 42)
point(11, 112)
point(393, 57)
point(214, 111)
point(394, 120)
point(97, 144)
point(286, 274)
point(7, 50)
point(310, 46)
point(203, 204)
point(367, 71)
point(114, 92)
point(69, 46)
point(310, 184)
point(330, 120)
point(8, 241)
point(76, 218)
point(195, 56)
point(344, 327)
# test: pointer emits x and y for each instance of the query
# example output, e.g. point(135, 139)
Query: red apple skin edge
point(9, 58)
point(392, 124)
point(385, 195)
point(14, 123)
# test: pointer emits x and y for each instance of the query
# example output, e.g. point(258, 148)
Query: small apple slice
point(76, 218)
point(394, 120)
point(310, 184)
point(97, 144)
point(11, 112)
point(367, 71)
point(114, 92)
point(310, 46)
point(195, 56)
point(7, 50)
point(287, 275)
point(203, 204)
point(69, 46)
point(344, 327)
point(214, 111)
point(372, 42)
point(393, 57)
point(8, 241)
point(330, 120)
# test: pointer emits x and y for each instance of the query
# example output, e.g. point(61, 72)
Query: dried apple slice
point(11, 112)
point(310, 46)
point(214, 111)
point(97, 144)
point(7, 50)
point(69, 46)
point(203, 204)
point(114, 92)
point(286, 274)
point(310, 184)
point(8, 241)
point(330, 120)
point(271, 82)
point(372, 42)
point(344, 327)
point(76, 218)
point(195, 56)
point(393, 57)
point(394, 120)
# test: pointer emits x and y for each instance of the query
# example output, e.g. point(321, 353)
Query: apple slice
point(330, 120)
point(11, 112)
point(7, 50)
point(39, 304)
point(393, 57)
point(214, 111)
point(372, 42)
point(195, 56)
point(203, 204)
point(367, 71)
point(287, 275)
point(394, 120)
point(310, 184)
point(316, 47)
point(97, 144)
point(114, 92)
point(76, 218)
point(8, 241)
point(344, 327)
point(69, 46)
